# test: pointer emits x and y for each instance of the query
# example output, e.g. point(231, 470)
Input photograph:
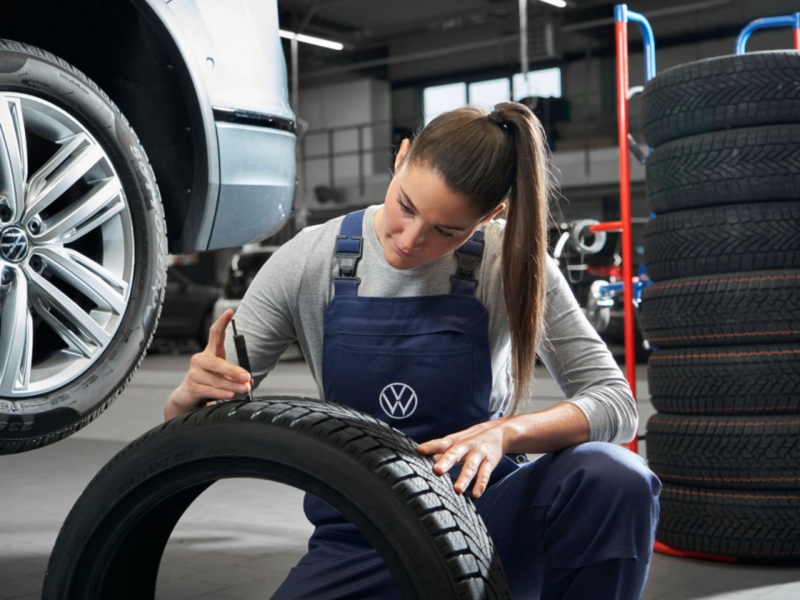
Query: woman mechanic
point(442, 345)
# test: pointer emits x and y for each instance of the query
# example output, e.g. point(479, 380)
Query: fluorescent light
point(311, 40)
point(558, 3)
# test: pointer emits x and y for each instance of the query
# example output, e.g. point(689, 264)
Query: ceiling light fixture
point(558, 3)
point(311, 40)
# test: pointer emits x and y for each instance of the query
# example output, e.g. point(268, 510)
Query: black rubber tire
point(728, 380)
point(757, 88)
point(712, 310)
point(725, 167)
point(38, 421)
point(736, 452)
point(760, 527)
point(432, 539)
point(723, 239)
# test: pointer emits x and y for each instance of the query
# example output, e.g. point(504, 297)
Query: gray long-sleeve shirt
point(287, 300)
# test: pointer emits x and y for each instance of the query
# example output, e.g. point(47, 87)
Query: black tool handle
point(241, 354)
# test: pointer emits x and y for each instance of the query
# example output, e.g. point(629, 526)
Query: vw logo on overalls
point(13, 244)
point(398, 400)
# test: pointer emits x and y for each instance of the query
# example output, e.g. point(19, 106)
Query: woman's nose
point(412, 238)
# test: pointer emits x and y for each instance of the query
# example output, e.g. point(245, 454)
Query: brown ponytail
point(491, 158)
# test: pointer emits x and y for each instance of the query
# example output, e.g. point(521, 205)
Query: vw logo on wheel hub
point(398, 400)
point(13, 244)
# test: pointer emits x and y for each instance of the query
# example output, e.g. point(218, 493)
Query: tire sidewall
point(37, 73)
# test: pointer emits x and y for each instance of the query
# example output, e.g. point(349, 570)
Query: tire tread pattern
point(726, 380)
point(723, 239)
point(757, 88)
point(725, 167)
point(735, 452)
point(758, 525)
point(745, 308)
point(450, 518)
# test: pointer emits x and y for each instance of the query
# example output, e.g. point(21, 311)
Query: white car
point(128, 130)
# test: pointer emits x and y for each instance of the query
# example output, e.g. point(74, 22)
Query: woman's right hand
point(210, 376)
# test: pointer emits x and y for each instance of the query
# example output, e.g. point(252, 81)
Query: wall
point(343, 107)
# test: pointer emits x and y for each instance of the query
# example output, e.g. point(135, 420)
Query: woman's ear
point(501, 207)
point(404, 146)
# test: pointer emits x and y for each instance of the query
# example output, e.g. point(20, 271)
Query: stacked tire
point(723, 313)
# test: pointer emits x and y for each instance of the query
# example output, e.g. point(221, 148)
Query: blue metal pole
point(768, 22)
point(649, 43)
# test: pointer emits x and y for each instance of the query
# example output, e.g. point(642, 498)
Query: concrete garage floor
point(239, 540)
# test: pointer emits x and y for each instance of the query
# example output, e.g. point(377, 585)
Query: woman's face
point(421, 218)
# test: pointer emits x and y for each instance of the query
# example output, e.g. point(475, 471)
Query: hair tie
point(498, 119)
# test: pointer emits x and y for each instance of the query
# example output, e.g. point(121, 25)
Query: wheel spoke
point(88, 277)
point(72, 161)
point(13, 155)
point(95, 208)
point(16, 335)
point(81, 332)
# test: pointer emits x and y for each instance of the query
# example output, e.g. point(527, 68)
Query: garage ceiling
point(422, 40)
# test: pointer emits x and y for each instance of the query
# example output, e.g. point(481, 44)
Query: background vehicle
point(239, 275)
point(188, 308)
point(583, 270)
point(129, 130)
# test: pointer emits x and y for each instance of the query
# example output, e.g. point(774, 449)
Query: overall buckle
point(349, 260)
point(467, 263)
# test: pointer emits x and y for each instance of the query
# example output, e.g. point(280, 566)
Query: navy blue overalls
point(424, 366)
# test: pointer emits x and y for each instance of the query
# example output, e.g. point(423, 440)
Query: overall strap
point(348, 252)
point(469, 256)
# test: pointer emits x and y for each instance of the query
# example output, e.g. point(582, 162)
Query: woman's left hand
point(480, 448)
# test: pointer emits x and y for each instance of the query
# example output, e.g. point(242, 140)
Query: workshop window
point(545, 83)
point(441, 98)
point(485, 94)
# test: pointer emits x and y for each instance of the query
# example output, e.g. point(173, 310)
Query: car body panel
point(257, 185)
point(238, 45)
point(233, 60)
point(205, 187)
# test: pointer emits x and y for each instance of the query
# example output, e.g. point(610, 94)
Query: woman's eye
point(405, 209)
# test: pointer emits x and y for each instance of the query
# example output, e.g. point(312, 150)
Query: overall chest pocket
point(408, 387)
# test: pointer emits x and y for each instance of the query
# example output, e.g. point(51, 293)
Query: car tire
point(723, 239)
point(760, 527)
point(744, 90)
point(725, 167)
point(727, 380)
point(754, 307)
point(431, 538)
point(733, 452)
point(33, 78)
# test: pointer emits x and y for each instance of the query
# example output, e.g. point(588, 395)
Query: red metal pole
point(625, 208)
point(796, 38)
point(607, 226)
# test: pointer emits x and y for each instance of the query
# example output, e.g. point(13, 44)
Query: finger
point(214, 364)
point(482, 479)
point(216, 334)
point(217, 381)
point(206, 391)
point(451, 457)
point(439, 445)
point(471, 465)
